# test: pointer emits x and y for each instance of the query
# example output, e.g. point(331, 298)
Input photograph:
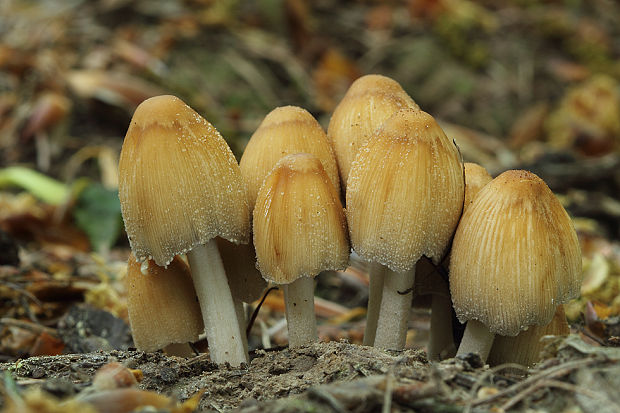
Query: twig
point(24, 292)
point(387, 395)
point(548, 383)
point(256, 310)
point(28, 325)
point(326, 397)
point(558, 371)
point(483, 377)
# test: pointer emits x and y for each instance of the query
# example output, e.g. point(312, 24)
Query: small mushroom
point(299, 231)
point(515, 257)
point(162, 305)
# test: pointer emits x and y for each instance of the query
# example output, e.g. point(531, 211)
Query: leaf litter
point(518, 84)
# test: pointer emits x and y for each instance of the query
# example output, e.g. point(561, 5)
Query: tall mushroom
point(299, 231)
point(404, 199)
point(369, 101)
point(515, 257)
point(180, 187)
point(162, 305)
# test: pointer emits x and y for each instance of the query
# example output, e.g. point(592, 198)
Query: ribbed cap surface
point(370, 100)
point(284, 131)
point(405, 192)
point(525, 347)
point(476, 177)
point(515, 255)
point(299, 223)
point(179, 183)
point(162, 305)
point(245, 281)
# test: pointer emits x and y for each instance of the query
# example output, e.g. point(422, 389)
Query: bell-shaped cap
point(405, 192)
point(526, 347)
point(299, 223)
point(369, 101)
point(245, 281)
point(284, 131)
point(179, 182)
point(476, 177)
point(515, 255)
point(162, 304)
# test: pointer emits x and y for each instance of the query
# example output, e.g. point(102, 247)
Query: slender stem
point(179, 350)
point(299, 300)
point(216, 303)
point(375, 290)
point(395, 310)
point(476, 339)
point(441, 343)
point(240, 312)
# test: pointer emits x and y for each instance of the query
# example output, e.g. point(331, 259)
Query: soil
point(343, 377)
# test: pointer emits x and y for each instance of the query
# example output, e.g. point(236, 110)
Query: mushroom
point(162, 305)
point(299, 231)
point(404, 199)
point(285, 130)
point(526, 347)
point(515, 257)
point(369, 101)
point(428, 281)
point(476, 177)
point(180, 187)
point(245, 281)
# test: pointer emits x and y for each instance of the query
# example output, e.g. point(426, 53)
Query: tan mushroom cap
point(369, 101)
point(405, 192)
point(476, 177)
point(162, 305)
point(285, 130)
point(179, 183)
point(299, 223)
point(245, 281)
point(515, 255)
point(526, 347)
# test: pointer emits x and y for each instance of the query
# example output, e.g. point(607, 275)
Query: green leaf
point(98, 213)
point(41, 186)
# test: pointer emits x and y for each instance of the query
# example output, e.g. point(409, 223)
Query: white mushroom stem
point(300, 317)
point(395, 309)
point(179, 350)
point(240, 312)
point(476, 339)
point(216, 303)
point(441, 342)
point(375, 292)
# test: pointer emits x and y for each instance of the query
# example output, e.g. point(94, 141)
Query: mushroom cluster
point(512, 252)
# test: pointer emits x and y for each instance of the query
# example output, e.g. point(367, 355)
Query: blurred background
point(528, 84)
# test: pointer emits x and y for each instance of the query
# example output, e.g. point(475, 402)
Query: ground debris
point(343, 377)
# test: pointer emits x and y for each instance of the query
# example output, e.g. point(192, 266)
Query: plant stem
point(300, 317)
point(476, 339)
point(441, 343)
point(179, 350)
point(395, 309)
point(216, 303)
point(375, 290)
point(240, 312)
